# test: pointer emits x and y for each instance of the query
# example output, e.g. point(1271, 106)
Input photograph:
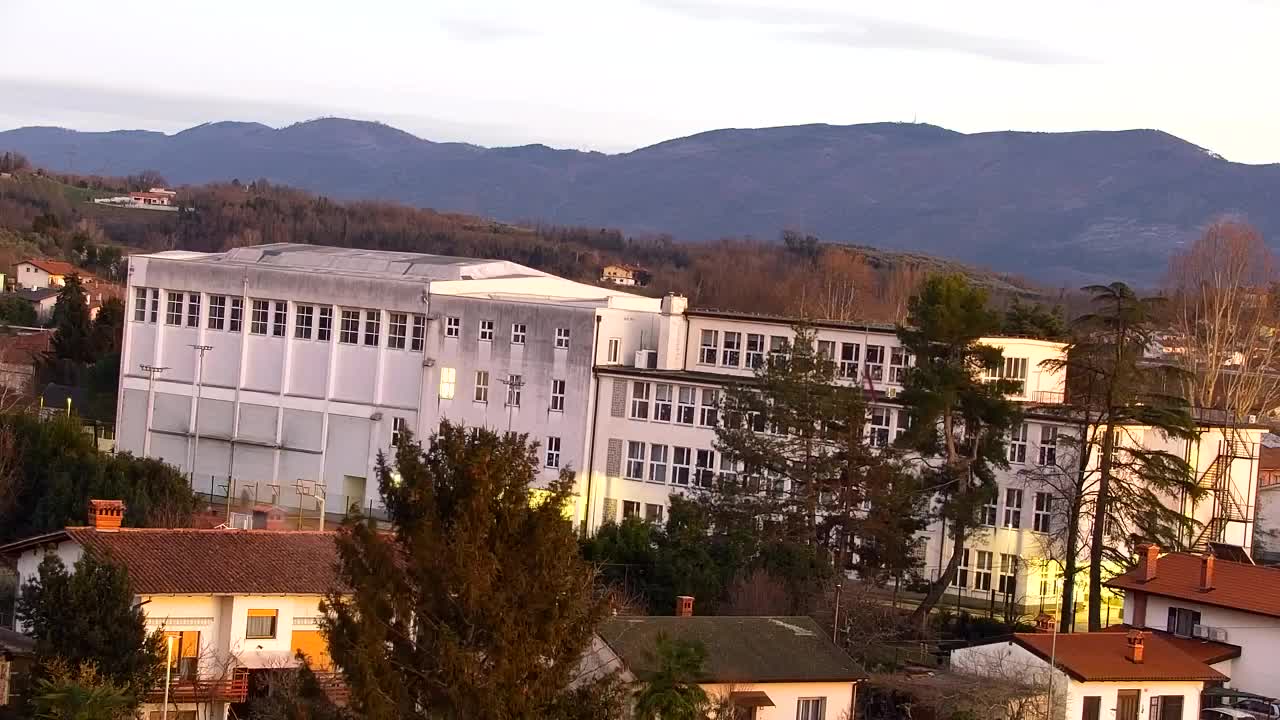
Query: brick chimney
point(1135, 639)
point(106, 515)
point(1206, 573)
point(1148, 555)
point(684, 606)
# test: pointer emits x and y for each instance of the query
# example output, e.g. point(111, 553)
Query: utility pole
point(199, 380)
point(152, 371)
point(514, 383)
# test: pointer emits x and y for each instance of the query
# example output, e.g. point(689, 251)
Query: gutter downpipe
point(595, 410)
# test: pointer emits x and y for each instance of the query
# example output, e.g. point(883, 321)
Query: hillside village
point(341, 481)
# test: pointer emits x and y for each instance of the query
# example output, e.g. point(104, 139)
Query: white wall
point(1108, 691)
point(30, 277)
point(786, 697)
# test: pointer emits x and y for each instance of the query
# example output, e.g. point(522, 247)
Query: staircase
point(1227, 506)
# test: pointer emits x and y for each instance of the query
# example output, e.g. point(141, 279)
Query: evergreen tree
point(72, 329)
point(1034, 320)
point(673, 692)
point(477, 604)
point(16, 311)
point(959, 417)
point(108, 328)
point(89, 616)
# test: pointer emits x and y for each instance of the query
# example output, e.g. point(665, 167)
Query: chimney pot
point(106, 515)
point(1135, 639)
point(684, 606)
point(1149, 556)
point(1206, 573)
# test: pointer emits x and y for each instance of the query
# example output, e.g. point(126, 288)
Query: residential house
point(625, 275)
point(42, 300)
point(1210, 598)
point(231, 602)
point(1097, 676)
point(1267, 537)
point(768, 668)
point(153, 197)
point(38, 273)
point(16, 652)
point(20, 349)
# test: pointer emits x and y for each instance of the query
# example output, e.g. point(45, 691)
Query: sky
point(614, 75)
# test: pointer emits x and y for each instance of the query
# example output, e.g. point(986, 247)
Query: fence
point(301, 505)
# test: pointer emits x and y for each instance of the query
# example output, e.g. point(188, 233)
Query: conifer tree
point(72, 338)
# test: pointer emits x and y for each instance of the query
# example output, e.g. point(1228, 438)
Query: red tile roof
point(25, 347)
point(1103, 657)
point(53, 267)
point(1237, 586)
point(218, 562)
point(1269, 458)
point(1206, 651)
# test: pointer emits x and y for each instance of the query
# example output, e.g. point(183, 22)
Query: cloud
point(482, 28)
point(860, 31)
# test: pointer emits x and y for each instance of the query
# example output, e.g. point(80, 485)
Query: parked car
point(1226, 713)
point(1258, 708)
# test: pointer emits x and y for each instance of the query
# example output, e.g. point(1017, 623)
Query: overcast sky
point(619, 74)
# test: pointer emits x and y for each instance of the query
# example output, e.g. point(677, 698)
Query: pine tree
point(959, 417)
point(108, 328)
point(476, 604)
point(72, 328)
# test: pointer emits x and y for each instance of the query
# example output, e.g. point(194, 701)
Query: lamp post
point(152, 371)
point(168, 675)
point(195, 443)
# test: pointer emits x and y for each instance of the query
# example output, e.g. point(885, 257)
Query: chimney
point(1135, 640)
point(684, 606)
point(1148, 554)
point(106, 515)
point(1206, 573)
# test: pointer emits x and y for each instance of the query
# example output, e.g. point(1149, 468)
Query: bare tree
point(1224, 320)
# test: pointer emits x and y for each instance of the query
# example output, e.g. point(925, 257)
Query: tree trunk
point(920, 617)
point(1098, 539)
point(1067, 612)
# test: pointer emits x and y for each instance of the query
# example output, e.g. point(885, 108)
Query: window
point(988, 513)
point(658, 463)
point(217, 312)
point(1014, 369)
point(186, 655)
point(755, 350)
point(680, 462)
point(1018, 443)
point(685, 408)
point(811, 709)
point(418, 338)
point(639, 400)
point(397, 327)
point(155, 304)
point(705, 470)
point(731, 355)
point(899, 360)
point(1008, 574)
point(615, 350)
point(709, 412)
point(398, 426)
point(875, 362)
point(707, 350)
point(482, 387)
point(653, 513)
point(1013, 507)
point(514, 383)
point(303, 319)
point(517, 333)
point(562, 338)
point(982, 574)
point(448, 382)
point(662, 402)
point(140, 305)
point(553, 452)
point(1040, 521)
point(260, 625)
point(324, 331)
point(1048, 445)
point(1092, 708)
point(1169, 707)
point(193, 309)
point(635, 460)
point(557, 396)
point(1127, 704)
point(173, 310)
point(372, 327)
point(258, 318)
point(236, 323)
point(349, 332)
point(962, 570)
point(729, 469)
point(630, 509)
point(779, 345)
point(878, 436)
point(453, 327)
point(849, 353)
point(1182, 621)
point(486, 331)
point(827, 350)
point(279, 319)
point(905, 422)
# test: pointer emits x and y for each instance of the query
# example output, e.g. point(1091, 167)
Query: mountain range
point(1055, 207)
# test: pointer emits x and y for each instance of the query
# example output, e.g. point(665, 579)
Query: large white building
point(315, 357)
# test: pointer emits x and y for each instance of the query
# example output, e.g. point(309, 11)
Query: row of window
point(1047, 450)
point(514, 386)
point(271, 317)
point(1041, 516)
point(519, 332)
point(681, 404)
point(674, 465)
point(734, 350)
point(977, 576)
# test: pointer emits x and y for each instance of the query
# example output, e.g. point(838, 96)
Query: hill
point(1058, 207)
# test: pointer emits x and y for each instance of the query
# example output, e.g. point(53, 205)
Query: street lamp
point(152, 371)
point(168, 675)
point(199, 380)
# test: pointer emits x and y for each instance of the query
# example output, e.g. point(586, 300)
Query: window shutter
point(618, 405)
point(1092, 708)
point(610, 510)
point(613, 459)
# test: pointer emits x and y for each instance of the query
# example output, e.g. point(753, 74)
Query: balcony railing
point(1049, 397)
point(233, 689)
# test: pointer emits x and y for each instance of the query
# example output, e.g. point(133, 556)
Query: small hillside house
point(624, 274)
point(38, 273)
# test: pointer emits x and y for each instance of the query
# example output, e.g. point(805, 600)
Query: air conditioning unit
point(1209, 632)
point(240, 521)
point(647, 359)
point(1200, 631)
point(1218, 634)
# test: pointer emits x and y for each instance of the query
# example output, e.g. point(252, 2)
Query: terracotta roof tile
point(1206, 651)
point(241, 562)
point(53, 267)
point(1250, 588)
point(1103, 657)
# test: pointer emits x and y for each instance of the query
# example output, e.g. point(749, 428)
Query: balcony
point(1048, 397)
point(191, 690)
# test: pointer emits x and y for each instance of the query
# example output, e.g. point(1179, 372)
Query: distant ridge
point(1057, 207)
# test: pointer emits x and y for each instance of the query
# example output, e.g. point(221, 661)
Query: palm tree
point(673, 693)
